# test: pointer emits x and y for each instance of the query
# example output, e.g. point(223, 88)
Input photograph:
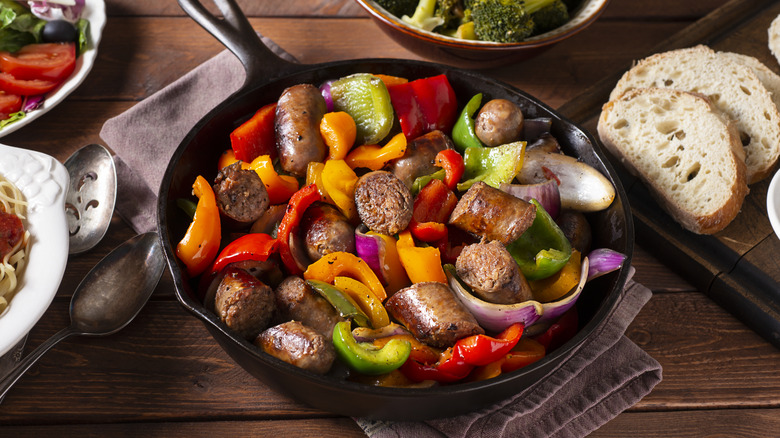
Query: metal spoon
point(90, 201)
point(108, 298)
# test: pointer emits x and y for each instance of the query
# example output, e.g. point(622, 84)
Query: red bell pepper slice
point(424, 105)
point(256, 136)
point(254, 246)
point(300, 201)
point(452, 163)
point(457, 362)
point(431, 210)
point(560, 331)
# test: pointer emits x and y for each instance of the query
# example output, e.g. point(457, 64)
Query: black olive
point(59, 31)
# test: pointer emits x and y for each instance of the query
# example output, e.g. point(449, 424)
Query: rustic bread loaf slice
point(770, 79)
point(732, 88)
point(774, 37)
point(684, 150)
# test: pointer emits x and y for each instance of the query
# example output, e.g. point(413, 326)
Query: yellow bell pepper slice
point(559, 284)
point(280, 187)
point(421, 263)
point(342, 263)
point(199, 246)
point(375, 157)
point(314, 176)
point(366, 300)
point(339, 181)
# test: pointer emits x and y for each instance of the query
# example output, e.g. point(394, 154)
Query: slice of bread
point(684, 150)
point(732, 88)
point(774, 37)
point(764, 74)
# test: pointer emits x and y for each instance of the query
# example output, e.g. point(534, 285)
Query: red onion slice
point(32, 102)
point(372, 250)
point(546, 193)
point(604, 261)
point(325, 90)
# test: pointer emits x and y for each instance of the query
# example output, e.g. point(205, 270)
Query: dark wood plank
point(689, 424)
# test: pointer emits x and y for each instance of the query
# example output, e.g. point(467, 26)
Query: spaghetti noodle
point(13, 239)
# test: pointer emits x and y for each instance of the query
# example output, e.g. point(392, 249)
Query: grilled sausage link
point(433, 314)
point(244, 303)
point(297, 126)
point(383, 202)
point(492, 214)
point(418, 160)
point(241, 196)
point(298, 345)
point(297, 300)
point(326, 230)
point(492, 273)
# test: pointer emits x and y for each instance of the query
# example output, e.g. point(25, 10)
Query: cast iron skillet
point(267, 77)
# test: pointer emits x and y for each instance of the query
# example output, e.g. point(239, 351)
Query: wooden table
point(164, 375)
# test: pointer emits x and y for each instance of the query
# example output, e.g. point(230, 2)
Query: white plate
point(95, 12)
point(44, 183)
point(773, 203)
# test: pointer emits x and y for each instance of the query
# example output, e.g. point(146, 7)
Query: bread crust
point(709, 223)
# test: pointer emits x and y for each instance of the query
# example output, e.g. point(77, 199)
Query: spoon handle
point(25, 364)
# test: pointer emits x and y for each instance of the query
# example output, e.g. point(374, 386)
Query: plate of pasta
point(33, 186)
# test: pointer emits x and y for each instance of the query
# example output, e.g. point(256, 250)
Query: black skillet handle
point(236, 33)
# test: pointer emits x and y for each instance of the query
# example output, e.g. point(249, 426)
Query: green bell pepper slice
point(543, 249)
point(464, 135)
point(340, 301)
point(364, 357)
point(422, 181)
point(494, 166)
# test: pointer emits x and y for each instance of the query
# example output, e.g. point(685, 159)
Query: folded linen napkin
point(607, 375)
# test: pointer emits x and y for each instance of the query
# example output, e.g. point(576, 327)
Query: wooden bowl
point(479, 54)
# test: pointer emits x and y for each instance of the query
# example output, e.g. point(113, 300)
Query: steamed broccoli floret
point(451, 11)
point(423, 17)
point(399, 8)
point(504, 21)
point(547, 14)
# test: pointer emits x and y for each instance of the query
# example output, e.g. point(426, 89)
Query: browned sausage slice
point(296, 300)
point(383, 202)
point(241, 195)
point(297, 120)
point(492, 273)
point(244, 303)
point(433, 314)
point(492, 214)
point(298, 345)
point(326, 230)
point(418, 160)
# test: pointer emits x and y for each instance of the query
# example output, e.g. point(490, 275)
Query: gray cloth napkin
point(607, 375)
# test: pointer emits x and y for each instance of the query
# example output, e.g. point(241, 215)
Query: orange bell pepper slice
point(341, 263)
point(391, 80)
point(375, 157)
point(559, 284)
point(393, 271)
point(339, 131)
point(421, 264)
point(280, 187)
point(199, 246)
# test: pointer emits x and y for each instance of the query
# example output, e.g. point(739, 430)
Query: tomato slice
point(9, 103)
point(47, 62)
point(11, 85)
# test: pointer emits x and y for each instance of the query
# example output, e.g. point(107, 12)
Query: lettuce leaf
point(18, 26)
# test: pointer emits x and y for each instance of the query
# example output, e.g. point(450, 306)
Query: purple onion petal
point(604, 261)
point(32, 102)
point(53, 11)
point(546, 193)
point(325, 90)
point(372, 250)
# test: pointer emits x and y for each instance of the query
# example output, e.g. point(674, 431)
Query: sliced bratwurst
point(295, 299)
point(326, 230)
point(383, 202)
point(433, 314)
point(492, 273)
point(298, 345)
point(241, 195)
point(297, 126)
point(492, 214)
point(418, 160)
point(244, 303)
